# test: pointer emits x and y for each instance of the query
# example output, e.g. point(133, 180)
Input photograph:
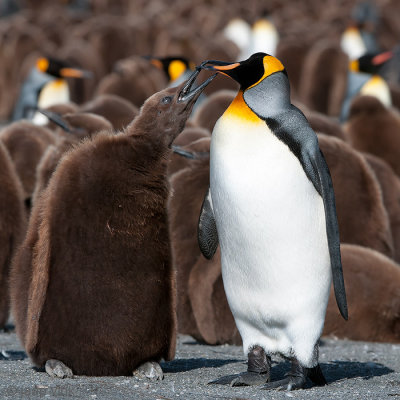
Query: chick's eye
point(166, 100)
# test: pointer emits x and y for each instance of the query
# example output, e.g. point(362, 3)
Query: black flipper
point(190, 154)
point(332, 228)
point(294, 130)
point(207, 234)
point(55, 118)
point(182, 152)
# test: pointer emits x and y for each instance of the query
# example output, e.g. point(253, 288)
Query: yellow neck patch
point(239, 109)
point(271, 65)
point(175, 69)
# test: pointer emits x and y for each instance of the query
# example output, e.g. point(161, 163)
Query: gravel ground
point(354, 370)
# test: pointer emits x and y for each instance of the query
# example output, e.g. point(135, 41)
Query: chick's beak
point(186, 93)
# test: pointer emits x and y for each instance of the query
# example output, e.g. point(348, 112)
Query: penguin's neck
point(270, 97)
point(240, 110)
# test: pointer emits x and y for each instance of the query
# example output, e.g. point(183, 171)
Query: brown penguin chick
point(12, 223)
point(395, 95)
point(109, 37)
point(390, 186)
point(119, 111)
point(210, 307)
point(373, 297)
point(188, 188)
point(207, 113)
point(374, 129)
point(26, 144)
point(191, 134)
point(321, 123)
point(182, 39)
point(183, 155)
point(80, 125)
point(358, 197)
point(60, 109)
point(292, 53)
point(97, 251)
point(64, 108)
point(324, 78)
point(133, 79)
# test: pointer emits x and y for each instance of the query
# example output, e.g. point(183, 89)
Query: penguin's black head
point(60, 69)
point(164, 114)
point(250, 72)
point(370, 63)
point(173, 67)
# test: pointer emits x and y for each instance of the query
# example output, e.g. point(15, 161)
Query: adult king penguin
point(44, 87)
point(271, 207)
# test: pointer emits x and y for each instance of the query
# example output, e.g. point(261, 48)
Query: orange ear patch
point(175, 69)
point(42, 64)
point(271, 65)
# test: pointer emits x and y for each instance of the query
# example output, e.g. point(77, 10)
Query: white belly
point(272, 233)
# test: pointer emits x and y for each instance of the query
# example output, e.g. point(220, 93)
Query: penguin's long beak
point(382, 58)
point(219, 66)
point(154, 61)
point(186, 94)
point(75, 73)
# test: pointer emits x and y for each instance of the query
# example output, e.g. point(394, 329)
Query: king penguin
point(363, 78)
point(44, 87)
point(271, 207)
point(359, 38)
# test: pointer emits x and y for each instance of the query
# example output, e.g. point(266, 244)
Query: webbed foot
point(258, 371)
point(297, 377)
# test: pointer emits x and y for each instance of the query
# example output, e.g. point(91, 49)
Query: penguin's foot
point(258, 370)
point(150, 370)
point(296, 378)
point(57, 369)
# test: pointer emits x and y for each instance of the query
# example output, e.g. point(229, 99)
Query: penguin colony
point(116, 56)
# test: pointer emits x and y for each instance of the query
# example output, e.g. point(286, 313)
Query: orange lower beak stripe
point(71, 73)
point(381, 58)
point(226, 67)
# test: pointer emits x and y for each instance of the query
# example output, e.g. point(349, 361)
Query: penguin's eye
point(166, 100)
